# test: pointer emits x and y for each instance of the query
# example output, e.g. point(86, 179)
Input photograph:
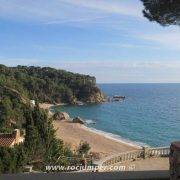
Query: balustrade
point(137, 154)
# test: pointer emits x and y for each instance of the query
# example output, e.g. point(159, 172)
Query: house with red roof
point(10, 139)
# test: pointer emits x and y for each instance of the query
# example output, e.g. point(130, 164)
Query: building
point(10, 139)
point(32, 103)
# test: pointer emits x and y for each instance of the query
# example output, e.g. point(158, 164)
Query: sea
point(149, 115)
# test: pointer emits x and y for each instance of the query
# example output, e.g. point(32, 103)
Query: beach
point(104, 144)
point(45, 106)
point(73, 133)
point(48, 106)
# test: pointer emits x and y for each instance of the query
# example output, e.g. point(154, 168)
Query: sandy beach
point(74, 133)
point(45, 106)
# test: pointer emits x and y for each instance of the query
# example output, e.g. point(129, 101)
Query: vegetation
point(165, 12)
point(48, 84)
point(19, 85)
point(40, 144)
point(12, 159)
point(83, 148)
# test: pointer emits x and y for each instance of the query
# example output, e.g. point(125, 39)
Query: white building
point(32, 103)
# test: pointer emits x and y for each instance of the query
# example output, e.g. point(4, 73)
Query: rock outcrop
point(61, 116)
point(97, 97)
point(78, 120)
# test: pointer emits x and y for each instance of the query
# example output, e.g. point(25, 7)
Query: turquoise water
point(150, 113)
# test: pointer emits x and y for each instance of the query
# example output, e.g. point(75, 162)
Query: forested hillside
point(50, 85)
point(40, 142)
point(20, 84)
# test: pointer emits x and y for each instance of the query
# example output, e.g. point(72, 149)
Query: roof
point(6, 139)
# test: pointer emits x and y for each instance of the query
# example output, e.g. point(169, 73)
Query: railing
point(134, 155)
point(159, 152)
point(122, 157)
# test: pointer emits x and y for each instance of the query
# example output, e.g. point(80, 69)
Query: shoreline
point(46, 106)
point(100, 141)
point(74, 133)
point(115, 137)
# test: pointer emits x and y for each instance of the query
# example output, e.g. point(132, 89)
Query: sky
point(108, 39)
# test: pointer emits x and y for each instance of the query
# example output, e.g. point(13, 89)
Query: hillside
point(20, 84)
point(51, 85)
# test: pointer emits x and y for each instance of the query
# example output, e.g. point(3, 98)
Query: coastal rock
point(118, 98)
point(97, 97)
point(78, 120)
point(79, 103)
point(61, 116)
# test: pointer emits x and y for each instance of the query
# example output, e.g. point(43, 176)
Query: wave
point(89, 121)
point(116, 138)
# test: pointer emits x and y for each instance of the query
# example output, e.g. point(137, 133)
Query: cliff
point(96, 97)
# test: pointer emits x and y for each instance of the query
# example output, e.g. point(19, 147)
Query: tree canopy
point(48, 84)
point(17, 86)
point(164, 12)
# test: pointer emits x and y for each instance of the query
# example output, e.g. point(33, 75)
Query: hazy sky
point(109, 39)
